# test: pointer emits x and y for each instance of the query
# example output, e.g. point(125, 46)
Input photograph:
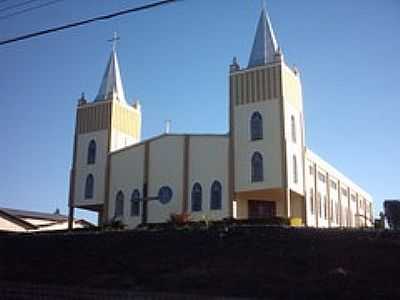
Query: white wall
point(165, 169)
point(126, 175)
point(334, 196)
point(342, 182)
point(294, 148)
point(97, 169)
point(269, 146)
point(309, 183)
point(208, 161)
point(120, 140)
point(322, 190)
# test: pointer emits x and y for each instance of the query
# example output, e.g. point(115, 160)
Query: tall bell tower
point(267, 131)
point(104, 125)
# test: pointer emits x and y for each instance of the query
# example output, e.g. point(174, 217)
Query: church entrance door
point(261, 209)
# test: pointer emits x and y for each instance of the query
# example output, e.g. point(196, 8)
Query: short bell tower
point(104, 125)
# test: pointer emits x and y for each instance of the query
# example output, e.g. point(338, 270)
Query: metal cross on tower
point(114, 40)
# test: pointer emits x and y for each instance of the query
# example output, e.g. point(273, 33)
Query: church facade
point(260, 168)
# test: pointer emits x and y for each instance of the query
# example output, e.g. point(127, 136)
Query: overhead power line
point(20, 12)
point(84, 22)
point(17, 5)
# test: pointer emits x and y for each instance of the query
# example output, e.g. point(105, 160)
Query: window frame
point(119, 199)
point(295, 170)
point(216, 183)
point(256, 126)
point(135, 210)
point(91, 152)
point(259, 176)
point(89, 187)
point(293, 128)
point(196, 203)
point(312, 201)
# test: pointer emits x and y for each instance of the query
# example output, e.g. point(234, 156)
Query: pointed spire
point(111, 84)
point(265, 48)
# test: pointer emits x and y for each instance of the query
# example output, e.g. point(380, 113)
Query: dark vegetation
point(226, 258)
point(392, 212)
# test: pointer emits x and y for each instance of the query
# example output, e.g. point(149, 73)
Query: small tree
point(392, 213)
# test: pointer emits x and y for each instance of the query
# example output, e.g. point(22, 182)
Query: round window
point(165, 194)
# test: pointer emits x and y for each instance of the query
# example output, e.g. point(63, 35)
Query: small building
point(24, 220)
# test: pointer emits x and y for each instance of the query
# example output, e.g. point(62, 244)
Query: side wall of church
point(208, 162)
point(294, 129)
point(166, 163)
point(332, 199)
point(176, 161)
point(126, 175)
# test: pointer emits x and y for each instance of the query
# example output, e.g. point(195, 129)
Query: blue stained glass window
point(89, 187)
point(196, 197)
point(257, 170)
point(119, 204)
point(135, 203)
point(91, 155)
point(256, 126)
point(216, 195)
point(165, 194)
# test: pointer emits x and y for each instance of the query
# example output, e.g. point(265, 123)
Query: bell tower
point(104, 125)
point(266, 130)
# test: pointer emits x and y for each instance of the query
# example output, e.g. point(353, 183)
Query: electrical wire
point(84, 22)
point(20, 12)
point(17, 5)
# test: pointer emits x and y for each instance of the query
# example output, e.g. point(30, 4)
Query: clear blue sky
point(175, 60)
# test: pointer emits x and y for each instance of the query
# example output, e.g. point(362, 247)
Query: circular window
point(165, 194)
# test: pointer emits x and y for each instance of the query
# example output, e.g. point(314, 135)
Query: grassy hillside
point(247, 261)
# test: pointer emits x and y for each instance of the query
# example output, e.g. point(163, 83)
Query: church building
point(259, 169)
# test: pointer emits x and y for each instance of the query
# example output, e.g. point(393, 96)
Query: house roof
point(16, 220)
point(34, 214)
point(17, 216)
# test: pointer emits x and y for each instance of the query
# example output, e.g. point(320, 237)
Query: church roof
point(111, 84)
point(265, 46)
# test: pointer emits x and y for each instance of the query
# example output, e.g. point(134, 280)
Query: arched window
point(89, 187)
point(295, 173)
point(135, 203)
point(312, 200)
point(257, 171)
point(256, 126)
point(119, 204)
point(293, 126)
point(91, 155)
point(319, 204)
point(196, 197)
point(216, 195)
